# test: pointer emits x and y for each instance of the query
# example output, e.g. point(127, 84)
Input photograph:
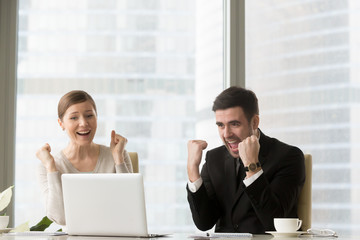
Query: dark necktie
point(239, 171)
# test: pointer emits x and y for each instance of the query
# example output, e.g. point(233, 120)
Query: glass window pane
point(146, 63)
point(302, 63)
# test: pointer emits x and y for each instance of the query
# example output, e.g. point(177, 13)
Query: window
point(145, 62)
point(301, 60)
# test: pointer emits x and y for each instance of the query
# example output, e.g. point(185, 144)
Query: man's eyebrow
point(234, 121)
point(218, 123)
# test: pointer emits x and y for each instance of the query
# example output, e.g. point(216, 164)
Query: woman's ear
point(61, 124)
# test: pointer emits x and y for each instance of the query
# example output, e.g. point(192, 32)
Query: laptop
point(105, 205)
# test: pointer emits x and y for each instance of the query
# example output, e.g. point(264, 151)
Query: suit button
point(236, 226)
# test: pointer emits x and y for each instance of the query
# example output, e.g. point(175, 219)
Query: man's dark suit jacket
point(248, 209)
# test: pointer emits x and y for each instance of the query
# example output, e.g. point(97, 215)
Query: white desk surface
point(176, 236)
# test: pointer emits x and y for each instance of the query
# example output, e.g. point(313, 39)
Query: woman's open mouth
point(83, 133)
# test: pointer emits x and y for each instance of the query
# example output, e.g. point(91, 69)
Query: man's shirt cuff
point(250, 180)
point(194, 186)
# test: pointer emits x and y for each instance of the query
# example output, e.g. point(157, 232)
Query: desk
point(176, 236)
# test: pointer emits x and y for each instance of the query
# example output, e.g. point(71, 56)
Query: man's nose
point(227, 132)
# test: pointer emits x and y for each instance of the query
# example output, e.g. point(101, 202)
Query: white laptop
point(105, 204)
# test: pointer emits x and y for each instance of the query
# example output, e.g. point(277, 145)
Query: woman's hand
point(46, 158)
point(117, 147)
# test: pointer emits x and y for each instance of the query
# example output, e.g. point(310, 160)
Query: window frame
point(8, 63)
point(234, 43)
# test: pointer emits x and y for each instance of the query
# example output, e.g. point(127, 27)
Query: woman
point(78, 117)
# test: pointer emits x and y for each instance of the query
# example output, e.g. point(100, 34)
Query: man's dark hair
point(237, 97)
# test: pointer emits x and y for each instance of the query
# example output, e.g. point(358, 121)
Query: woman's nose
point(83, 121)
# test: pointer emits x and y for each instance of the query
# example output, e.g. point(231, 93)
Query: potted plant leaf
point(5, 198)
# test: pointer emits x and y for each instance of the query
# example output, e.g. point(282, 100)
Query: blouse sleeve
point(51, 188)
point(126, 166)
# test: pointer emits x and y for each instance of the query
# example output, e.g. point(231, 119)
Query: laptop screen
point(104, 204)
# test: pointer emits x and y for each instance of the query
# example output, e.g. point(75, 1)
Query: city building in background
point(138, 60)
point(302, 61)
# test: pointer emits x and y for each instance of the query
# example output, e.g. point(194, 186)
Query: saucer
point(5, 230)
point(285, 234)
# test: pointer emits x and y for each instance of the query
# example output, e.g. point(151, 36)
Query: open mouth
point(83, 133)
point(233, 145)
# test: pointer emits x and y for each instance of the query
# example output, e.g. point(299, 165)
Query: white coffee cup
point(287, 225)
point(4, 222)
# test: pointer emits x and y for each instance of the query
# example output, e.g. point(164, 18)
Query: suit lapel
point(265, 144)
point(240, 190)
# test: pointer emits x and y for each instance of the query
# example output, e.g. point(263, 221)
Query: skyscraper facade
point(302, 61)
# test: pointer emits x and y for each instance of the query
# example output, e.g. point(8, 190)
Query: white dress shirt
point(194, 186)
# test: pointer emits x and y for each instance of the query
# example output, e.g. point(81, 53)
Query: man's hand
point(117, 147)
point(195, 148)
point(249, 150)
point(46, 158)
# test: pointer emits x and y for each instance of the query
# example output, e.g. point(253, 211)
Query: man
point(248, 181)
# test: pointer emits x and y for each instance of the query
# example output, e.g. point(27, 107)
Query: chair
point(135, 161)
point(304, 205)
